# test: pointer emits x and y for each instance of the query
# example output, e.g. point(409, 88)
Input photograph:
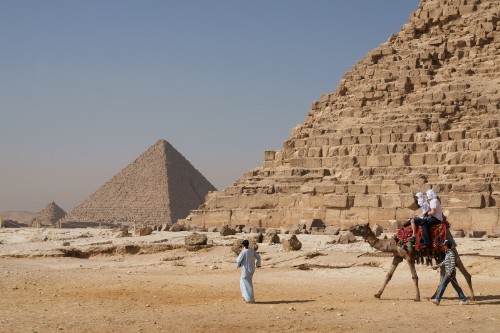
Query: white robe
point(247, 260)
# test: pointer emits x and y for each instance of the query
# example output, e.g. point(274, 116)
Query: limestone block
point(291, 243)
point(466, 9)
point(417, 159)
point(421, 148)
point(399, 160)
point(269, 155)
point(373, 188)
point(376, 138)
point(195, 239)
point(312, 163)
point(385, 138)
point(332, 216)
point(258, 218)
point(240, 216)
point(349, 140)
point(316, 201)
point(296, 162)
point(472, 200)
point(460, 218)
point(314, 214)
point(325, 188)
point(381, 215)
point(356, 214)
point(390, 201)
point(378, 161)
point(347, 238)
point(340, 189)
point(408, 200)
point(314, 152)
point(466, 186)
point(389, 188)
point(230, 201)
point(474, 145)
point(216, 217)
point(361, 200)
point(335, 201)
point(485, 157)
point(403, 214)
point(356, 188)
point(365, 139)
point(288, 200)
point(331, 230)
point(485, 219)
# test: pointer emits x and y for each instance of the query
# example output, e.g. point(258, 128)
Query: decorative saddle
point(404, 238)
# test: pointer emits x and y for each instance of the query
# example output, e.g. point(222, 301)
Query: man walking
point(449, 263)
point(247, 260)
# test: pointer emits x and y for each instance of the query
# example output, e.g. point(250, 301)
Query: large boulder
point(347, 238)
point(195, 239)
point(237, 247)
point(144, 231)
point(272, 238)
point(292, 244)
point(226, 230)
point(176, 227)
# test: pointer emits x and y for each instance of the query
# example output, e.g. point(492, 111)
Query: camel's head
point(362, 230)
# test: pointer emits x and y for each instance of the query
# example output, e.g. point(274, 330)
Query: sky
point(87, 86)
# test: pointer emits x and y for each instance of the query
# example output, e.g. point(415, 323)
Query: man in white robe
point(247, 260)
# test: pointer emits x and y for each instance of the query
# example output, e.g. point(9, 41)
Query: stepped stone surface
point(420, 110)
point(48, 216)
point(159, 187)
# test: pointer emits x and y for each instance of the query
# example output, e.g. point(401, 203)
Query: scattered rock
point(195, 239)
point(292, 244)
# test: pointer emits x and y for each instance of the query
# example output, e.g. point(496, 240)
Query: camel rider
point(434, 216)
point(425, 208)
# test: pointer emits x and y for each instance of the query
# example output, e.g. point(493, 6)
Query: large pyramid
point(421, 110)
point(49, 216)
point(159, 187)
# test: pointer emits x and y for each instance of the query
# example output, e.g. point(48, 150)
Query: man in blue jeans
point(449, 263)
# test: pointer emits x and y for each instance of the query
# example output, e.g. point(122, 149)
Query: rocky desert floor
point(139, 284)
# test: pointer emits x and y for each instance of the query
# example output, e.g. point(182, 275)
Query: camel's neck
point(384, 245)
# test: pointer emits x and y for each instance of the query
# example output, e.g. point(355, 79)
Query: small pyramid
point(159, 187)
point(48, 217)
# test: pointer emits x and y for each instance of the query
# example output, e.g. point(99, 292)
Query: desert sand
point(323, 287)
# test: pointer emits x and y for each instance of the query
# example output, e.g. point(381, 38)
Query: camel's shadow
point(285, 301)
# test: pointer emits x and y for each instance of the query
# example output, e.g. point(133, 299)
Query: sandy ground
point(198, 291)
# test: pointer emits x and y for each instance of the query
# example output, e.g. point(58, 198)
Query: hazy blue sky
point(87, 86)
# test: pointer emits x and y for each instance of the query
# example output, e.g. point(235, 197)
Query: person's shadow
point(487, 299)
point(285, 301)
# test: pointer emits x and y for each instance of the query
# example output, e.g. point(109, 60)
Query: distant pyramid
point(48, 217)
point(420, 110)
point(159, 187)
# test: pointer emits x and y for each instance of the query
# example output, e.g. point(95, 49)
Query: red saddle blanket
point(437, 233)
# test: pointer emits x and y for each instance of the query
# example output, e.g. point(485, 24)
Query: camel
point(399, 254)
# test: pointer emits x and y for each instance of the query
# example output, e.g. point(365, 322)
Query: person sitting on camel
point(434, 216)
point(419, 220)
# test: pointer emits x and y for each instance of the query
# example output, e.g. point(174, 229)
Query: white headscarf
point(420, 198)
point(431, 194)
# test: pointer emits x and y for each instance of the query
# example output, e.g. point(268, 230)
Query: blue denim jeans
point(444, 284)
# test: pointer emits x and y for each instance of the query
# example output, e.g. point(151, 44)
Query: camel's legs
point(395, 262)
point(466, 275)
point(414, 276)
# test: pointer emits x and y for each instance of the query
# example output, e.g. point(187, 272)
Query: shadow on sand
point(487, 299)
point(286, 302)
